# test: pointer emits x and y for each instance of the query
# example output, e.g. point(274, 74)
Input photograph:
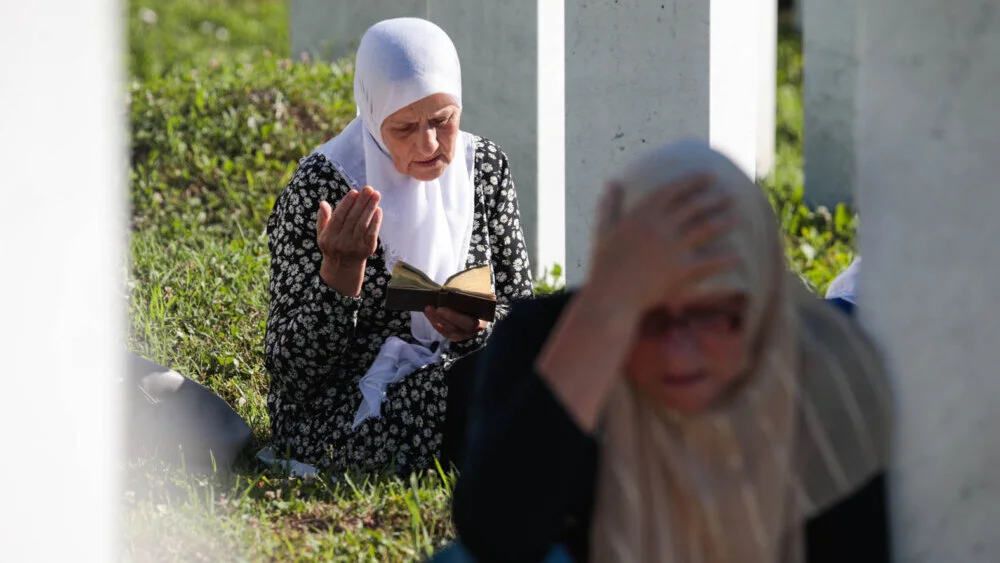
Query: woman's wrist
point(344, 277)
point(586, 352)
point(608, 308)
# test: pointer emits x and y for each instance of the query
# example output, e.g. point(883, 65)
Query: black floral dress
point(320, 343)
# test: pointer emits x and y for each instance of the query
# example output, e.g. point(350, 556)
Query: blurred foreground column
point(767, 38)
point(829, 90)
point(639, 74)
point(929, 187)
point(63, 159)
point(512, 80)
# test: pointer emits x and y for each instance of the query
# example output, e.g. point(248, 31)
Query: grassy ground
point(219, 118)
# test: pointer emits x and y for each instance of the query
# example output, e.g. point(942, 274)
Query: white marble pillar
point(63, 231)
point(830, 76)
point(928, 128)
point(512, 68)
point(641, 73)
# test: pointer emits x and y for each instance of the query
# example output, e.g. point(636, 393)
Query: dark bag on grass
point(175, 419)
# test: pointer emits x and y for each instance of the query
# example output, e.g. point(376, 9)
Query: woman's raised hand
point(347, 236)
point(640, 259)
point(653, 251)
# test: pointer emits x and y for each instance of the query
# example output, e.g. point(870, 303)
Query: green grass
point(172, 516)
point(218, 122)
point(168, 36)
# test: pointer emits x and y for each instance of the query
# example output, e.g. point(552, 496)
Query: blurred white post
point(63, 171)
point(641, 73)
point(512, 74)
point(829, 90)
point(549, 222)
point(929, 186)
point(767, 36)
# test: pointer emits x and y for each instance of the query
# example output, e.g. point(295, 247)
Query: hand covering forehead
point(755, 239)
point(401, 61)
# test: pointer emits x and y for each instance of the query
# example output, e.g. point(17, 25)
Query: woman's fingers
point(463, 324)
point(442, 328)
point(342, 210)
point(671, 196)
point(609, 208)
point(451, 324)
point(706, 231)
point(323, 217)
point(359, 207)
point(449, 328)
point(689, 212)
point(366, 215)
point(700, 208)
point(429, 313)
point(371, 235)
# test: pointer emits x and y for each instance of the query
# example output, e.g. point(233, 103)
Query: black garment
point(529, 475)
point(843, 305)
point(459, 381)
point(320, 343)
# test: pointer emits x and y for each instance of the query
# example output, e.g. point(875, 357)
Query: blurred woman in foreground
point(691, 403)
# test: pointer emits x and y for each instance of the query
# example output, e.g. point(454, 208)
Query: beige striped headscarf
point(806, 424)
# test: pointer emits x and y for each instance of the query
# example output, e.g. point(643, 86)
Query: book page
point(408, 277)
point(476, 280)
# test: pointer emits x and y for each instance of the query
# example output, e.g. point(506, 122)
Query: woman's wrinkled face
point(421, 137)
point(688, 354)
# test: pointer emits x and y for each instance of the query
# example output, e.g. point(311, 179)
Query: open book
point(469, 292)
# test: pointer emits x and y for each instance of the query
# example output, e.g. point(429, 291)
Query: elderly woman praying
point(355, 386)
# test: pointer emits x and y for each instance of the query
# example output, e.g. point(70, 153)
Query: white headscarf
point(807, 424)
point(427, 224)
point(845, 285)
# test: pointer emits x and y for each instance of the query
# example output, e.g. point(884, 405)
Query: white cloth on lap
point(294, 468)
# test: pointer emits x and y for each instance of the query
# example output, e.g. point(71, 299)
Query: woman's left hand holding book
point(454, 325)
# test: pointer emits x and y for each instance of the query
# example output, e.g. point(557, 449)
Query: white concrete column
point(512, 73)
point(929, 186)
point(63, 231)
point(767, 73)
point(328, 30)
point(642, 73)
point(830, 76)
point(512, 69)
point(549, 230)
